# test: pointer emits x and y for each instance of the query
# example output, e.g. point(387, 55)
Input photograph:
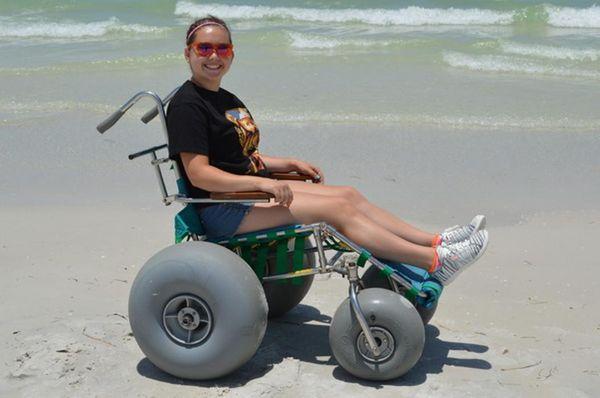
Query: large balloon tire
point(221, 288)
point(373, 278)
point(398, 330)
point(283, 295)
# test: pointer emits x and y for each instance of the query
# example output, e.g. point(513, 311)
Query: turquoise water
point(457, 64)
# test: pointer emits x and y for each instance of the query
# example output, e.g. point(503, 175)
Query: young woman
point(215, 140)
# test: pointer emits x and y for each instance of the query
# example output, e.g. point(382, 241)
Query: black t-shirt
point(216, 124)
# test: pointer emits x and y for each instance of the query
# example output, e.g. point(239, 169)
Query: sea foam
point(405, 16)
point(70, 30)
point(306, 41)
point(507, 64)
point(567, 17)
point(550, 52)
point(320, 42)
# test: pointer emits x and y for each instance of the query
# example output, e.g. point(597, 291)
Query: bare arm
point(213, 179)
point(278, 164)
point(285, 165)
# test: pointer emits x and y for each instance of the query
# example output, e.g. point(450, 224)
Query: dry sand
point(521, 322)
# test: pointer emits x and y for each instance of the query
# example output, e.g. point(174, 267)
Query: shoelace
point(478, 239)
point(457, 235)
point(458, 256)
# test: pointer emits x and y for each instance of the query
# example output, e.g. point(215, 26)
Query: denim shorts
point(221, 221)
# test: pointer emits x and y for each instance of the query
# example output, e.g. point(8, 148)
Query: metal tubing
point(163, 123)
point(160, 161)
point(299, 273)
point(161, 113)
point(112, 119)
point(394, 284)
point(186, 200)
point(159, 177)
point(319, 240)
point(362, 321)
point(146, 151)
point(396, 277)
point(151, 114)
point(305, 228)
point(335, 257)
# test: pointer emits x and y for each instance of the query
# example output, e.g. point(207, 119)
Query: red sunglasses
point(224, 50)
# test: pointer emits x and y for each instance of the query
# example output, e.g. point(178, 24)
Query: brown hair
point(207, 20)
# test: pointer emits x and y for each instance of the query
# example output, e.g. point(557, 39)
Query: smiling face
point(208, 71)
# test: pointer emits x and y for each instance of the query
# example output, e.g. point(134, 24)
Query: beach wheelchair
point(199, 309)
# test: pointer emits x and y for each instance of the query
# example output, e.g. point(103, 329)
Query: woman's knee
point(339, 209)
point(352, 194)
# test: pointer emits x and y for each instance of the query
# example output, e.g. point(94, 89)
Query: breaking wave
point(71, 30)
point(508, 64)
point(551, 52)
point(409, 16)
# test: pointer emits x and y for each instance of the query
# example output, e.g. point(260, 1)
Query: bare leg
point(380, 216)
point(345, 217)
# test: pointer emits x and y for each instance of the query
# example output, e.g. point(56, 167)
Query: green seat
point(254, 247)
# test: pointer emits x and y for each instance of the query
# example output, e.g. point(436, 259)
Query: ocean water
point(414, 72)
point(458, 64)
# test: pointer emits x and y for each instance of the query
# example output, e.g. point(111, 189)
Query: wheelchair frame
point(326, 237)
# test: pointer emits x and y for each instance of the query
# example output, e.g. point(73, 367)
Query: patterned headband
point(202, 25)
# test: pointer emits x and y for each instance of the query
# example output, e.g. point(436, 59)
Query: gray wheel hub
point(187, 319)
point(384, 340)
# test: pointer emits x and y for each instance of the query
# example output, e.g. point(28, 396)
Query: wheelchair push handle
point(148, 116)
point(114, 118)
point(110, 121)
point(151, 114)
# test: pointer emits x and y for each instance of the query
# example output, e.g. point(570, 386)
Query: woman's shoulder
point(186, 94)
point(187, 98)
point(231, 97)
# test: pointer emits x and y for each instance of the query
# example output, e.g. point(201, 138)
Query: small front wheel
point(394, 323)
point(374, 278)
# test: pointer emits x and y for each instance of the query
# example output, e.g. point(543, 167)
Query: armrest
point(258, 195)
point(292, 176)
point(249, 195)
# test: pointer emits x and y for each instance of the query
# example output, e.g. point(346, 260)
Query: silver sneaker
point(457, 257)
point(457, 233)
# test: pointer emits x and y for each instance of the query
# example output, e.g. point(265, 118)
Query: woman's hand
point(280, 189)
point(303, 167)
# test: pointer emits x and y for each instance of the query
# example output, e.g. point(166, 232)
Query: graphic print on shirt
point(248, 135)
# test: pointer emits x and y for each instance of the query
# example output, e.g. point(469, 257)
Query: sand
point(521, 322)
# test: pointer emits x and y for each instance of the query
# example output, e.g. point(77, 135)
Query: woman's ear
point(186, 53)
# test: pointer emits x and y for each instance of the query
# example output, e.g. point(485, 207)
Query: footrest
point(422, 281)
